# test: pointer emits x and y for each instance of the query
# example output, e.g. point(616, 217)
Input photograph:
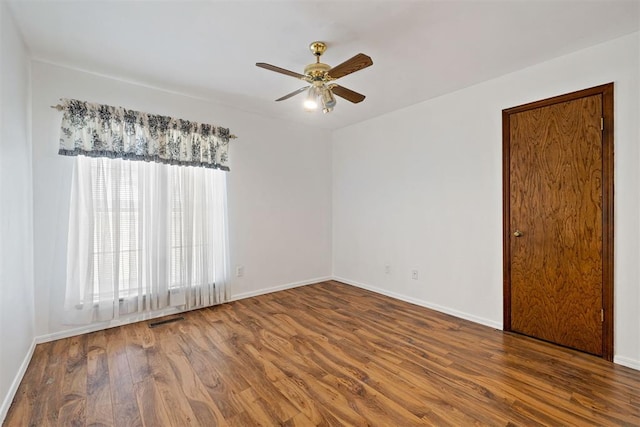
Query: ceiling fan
point(320, 77)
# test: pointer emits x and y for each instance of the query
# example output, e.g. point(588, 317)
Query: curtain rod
point(60, 108)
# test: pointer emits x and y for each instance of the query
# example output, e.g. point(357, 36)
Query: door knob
point(517, 233)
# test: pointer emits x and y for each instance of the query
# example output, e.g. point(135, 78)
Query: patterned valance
point(98, 130)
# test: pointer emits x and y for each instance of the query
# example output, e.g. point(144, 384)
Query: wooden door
point(558, 231)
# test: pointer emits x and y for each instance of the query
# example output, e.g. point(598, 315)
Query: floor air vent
point(164, 322)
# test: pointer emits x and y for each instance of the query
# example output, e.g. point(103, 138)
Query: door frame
point(606, 91)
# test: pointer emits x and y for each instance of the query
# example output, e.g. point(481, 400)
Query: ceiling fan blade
point(280, 70)
point(294, 93)
point(352, 65)
point(347, 94)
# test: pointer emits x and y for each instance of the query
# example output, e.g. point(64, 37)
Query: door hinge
point(601, 123)
point(602, 315)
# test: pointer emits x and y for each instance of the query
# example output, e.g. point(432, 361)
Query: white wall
point(279, 188)
point(420, 188)
point(16, 209)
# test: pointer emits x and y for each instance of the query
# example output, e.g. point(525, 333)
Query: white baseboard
point(264, 291)
point(620, 360)
point(6, 403)
point(85, 329)
point(422, 303)
point(100, 326)
point(628, 362)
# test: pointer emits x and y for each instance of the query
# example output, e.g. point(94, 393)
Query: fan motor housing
point(317, 71)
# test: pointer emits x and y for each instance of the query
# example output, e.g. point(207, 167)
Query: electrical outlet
point(414, 274)
point(239, 270)
point(387, 269)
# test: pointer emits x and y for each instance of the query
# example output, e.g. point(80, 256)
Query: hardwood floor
point(324, 354)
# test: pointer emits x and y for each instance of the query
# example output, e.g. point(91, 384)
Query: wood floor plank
point(136, 354)
point(210, 374)
point(27, 398)
point(259, 376)
point(260, 411)
point(46, 413)
point(293, 390)
point(125, 406)
point(99, 409)
point(313, 396)
point(74, 386)
point(319, 355)
point(189, 384)
point(299, 420)
point(180, 411)
point(152, 410)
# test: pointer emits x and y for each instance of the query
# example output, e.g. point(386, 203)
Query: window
point(147, 220)
point(144, 236)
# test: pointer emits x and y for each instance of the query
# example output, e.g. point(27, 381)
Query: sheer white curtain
point(144, 236)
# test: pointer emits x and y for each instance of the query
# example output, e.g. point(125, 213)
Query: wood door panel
point(556, 202)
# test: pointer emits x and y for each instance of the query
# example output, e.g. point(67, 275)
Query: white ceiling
point(420, 49)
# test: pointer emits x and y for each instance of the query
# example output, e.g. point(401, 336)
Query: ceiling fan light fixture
point(310, 104)
point(311, 101)
point(328, 100)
